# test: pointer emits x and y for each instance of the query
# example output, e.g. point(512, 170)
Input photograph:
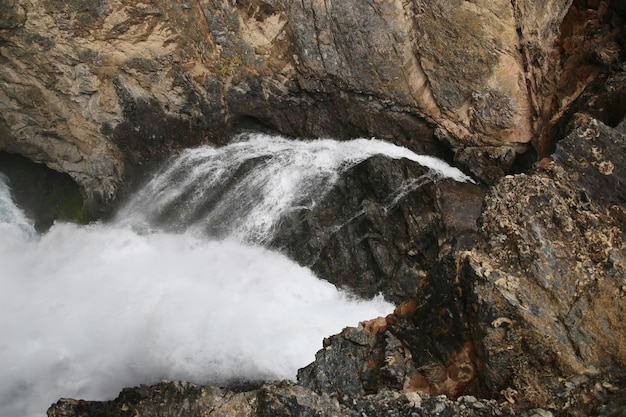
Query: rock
point(592, 37)
point(383, 227)
point(12, 15)
point(415, 349)
point(538, 304)
point(169, 399)
point(102, 91)
point(548, 276)
point(604, 100)
point(164, 399)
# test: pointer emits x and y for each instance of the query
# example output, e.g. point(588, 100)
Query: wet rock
point(102, 90)
point(382, 228)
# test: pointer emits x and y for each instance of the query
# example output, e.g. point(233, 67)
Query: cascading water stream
point(240, 191)
point(88, 310)
point(15, 227)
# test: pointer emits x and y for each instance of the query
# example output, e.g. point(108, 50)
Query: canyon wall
point(100, 90)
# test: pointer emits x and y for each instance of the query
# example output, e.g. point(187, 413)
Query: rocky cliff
point(99, 89)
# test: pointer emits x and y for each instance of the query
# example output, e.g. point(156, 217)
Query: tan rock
point(97, 91)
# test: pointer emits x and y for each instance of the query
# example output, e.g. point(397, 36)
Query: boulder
point(383, 227)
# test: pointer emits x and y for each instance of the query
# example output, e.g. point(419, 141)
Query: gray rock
point(102, 90)
point(384, 227)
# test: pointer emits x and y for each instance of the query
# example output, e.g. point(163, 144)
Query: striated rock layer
point(99, 89)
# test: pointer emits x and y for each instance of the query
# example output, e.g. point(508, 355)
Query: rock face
point(383, 228)
point(99, 89)
point(540, 299)
point(551, 265)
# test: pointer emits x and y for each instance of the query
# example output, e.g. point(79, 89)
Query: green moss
point(68, 204)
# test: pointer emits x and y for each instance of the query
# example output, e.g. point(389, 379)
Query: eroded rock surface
point(383, 228)
point(549, 277)
point(99, 90)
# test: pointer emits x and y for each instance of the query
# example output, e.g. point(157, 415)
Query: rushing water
point(88, 310)
point(241, 190)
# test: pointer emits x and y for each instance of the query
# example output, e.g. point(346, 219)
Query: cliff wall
point(100, 89)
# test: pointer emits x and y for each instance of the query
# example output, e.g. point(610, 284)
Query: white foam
point(14, 225)
point(281, 174)
point(87, 311)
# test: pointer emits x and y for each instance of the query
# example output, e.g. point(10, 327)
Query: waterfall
point(176, 287)
point(241, 190)
point(14, 225)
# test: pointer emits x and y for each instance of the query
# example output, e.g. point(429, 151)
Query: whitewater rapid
point(241, 191)
point(88, 310)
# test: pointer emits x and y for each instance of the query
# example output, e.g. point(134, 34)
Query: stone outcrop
point(101, 89)
point(532, 315)
point(549, 276)
point(540, 300)
point(383, 228)
point(282, 399)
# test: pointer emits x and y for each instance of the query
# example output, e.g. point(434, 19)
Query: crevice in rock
point(524, 162)
point(604, 100)
point(592, 46)
point(45, 195)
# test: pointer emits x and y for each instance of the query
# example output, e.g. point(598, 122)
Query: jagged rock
point(422, 347)
point(591, 40)
point(533, 315)
point(102, 90)
point(383, 227)
point(548, 277)
point(169, 399)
